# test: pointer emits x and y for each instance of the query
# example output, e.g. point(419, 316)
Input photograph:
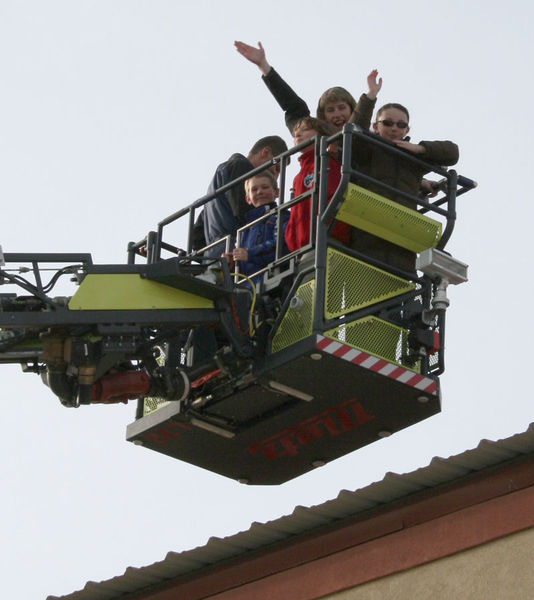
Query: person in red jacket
point(297, 232)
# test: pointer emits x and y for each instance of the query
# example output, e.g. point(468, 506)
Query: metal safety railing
point(452, 185)
point(323, 211)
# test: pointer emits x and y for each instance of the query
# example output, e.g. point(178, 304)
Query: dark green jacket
point(397, 170)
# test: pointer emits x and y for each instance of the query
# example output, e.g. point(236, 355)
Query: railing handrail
point(347, 171)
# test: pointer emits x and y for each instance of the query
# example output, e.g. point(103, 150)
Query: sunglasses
point(390, 123)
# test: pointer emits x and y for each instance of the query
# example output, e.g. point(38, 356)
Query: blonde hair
point(267, 174)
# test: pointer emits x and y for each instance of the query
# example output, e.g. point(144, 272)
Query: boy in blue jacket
point(257, 243)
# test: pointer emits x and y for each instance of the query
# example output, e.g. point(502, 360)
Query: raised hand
point(254, 55)
point(373, 84)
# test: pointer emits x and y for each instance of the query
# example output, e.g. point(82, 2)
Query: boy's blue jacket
point(260, 239)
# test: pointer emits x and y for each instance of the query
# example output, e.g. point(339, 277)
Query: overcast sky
point(114, 114)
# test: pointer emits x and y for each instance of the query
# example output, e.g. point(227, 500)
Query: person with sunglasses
point(392, 124)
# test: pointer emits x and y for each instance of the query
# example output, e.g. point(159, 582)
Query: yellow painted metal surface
point(388, 219)
point(297, 322)
point(377, 337)
point(352, 284)
point(128, 291)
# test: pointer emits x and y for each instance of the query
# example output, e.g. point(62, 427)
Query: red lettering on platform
point(166, 432)
point(333, 421)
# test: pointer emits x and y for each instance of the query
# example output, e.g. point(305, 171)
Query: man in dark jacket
point(392, 125)
point(223, 215)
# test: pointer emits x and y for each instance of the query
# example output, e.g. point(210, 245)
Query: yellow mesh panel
point(388, 219)
point(297, 322)
point(376, 337)
point(150, 404)
point(352, 284)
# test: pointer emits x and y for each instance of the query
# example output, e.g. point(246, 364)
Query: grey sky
point(113, 114)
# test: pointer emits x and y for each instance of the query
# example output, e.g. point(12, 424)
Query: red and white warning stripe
point(378, 365)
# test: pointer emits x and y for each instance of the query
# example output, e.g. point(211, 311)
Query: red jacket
point(298, 227)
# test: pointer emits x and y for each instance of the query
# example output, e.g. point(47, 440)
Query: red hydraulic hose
point(120, 387)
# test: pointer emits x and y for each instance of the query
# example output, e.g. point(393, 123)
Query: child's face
point(337, 113)
point(260, 191)
point(392, 124)
point(302, 133)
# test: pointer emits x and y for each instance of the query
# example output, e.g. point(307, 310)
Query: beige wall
point(473, 541)
point(500, 569)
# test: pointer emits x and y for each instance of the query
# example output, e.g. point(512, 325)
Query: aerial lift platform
point(326, 351)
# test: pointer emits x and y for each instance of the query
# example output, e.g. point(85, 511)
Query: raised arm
point(254, 55)
point(363, 112)
point(293, 106)
point(374, 85)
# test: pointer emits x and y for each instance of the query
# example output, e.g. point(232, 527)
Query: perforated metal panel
point(297, 322)
point(388, 219)
point(352, 284)
point(377, 337)
point(150, 404)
